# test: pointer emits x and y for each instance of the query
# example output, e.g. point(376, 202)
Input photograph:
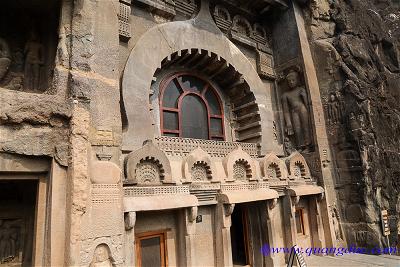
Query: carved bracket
point(192, 214)
point(321, 196)
point(130, 220)
point(272, 203)
point(229, 209)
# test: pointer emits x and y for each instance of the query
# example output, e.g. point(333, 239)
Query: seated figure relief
point(295, 111)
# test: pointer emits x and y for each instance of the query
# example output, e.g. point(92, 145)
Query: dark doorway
point(17, 219)
point(239, 236)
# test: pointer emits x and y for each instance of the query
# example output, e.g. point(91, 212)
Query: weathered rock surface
point(356, 50)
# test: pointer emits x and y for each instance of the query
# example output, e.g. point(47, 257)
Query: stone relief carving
point(27, 58)
point(124, 20)
point(296, 112)
point(101, 257)
point(34, 60)
point(241, 170)
point(297, 166)
point(222, 18)
point(240, 166)
point(242, 31)
point(10, 241)
point(198, 166)
point(147, 165)
point(265, 65)
point(273, 167)
point(200, 172)
point(148, 172)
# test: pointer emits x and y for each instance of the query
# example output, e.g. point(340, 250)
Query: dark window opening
point(191, 108)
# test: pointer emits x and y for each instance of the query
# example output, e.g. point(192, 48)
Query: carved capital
point(229, 209)
point(130, 220)
point(321, 196)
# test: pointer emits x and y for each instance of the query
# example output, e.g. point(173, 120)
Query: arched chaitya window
point(190, 107)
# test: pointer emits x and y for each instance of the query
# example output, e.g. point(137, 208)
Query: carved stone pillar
point(223, 236)
point(289, 209)
point(322, 144)
point(272, 225)
point(190, 231)
point(317, 230)
point(130, 255)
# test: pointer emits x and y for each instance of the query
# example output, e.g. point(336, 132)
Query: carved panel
point(174, 146)
point(147, 172)
point(28, 45)
point(123, 20)
point(239, 171)
point(265, 65)
point(222, 18)
point(12, 233)
point(186, 7)
point(133, 191)
point(200, 172)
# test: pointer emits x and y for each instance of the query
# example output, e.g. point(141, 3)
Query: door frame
point(163, 245)
point(39, 235)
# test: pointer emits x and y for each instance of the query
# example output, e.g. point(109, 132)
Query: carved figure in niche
point(295, 111)
point(101, 257)
point(5, 57)
point(336, 222)
point(34, 59)
point(8, 242)
point(363, 102)
point(333, 109)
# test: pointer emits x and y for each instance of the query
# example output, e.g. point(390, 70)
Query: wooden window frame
point(184, 93)
point(163, 246)
point(301, 216)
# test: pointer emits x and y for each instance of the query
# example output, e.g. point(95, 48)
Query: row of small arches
point(150, 166)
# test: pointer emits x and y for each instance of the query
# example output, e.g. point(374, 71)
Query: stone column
point(272, 225)
point(317, 231)
point(223, 235)
point(289, 209)
point(130, 250)
point(190, 231)
point(94, 91)
point(322, 144)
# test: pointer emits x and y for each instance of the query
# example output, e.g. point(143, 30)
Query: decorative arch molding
point(273, 167)
point(239, 22)
point(298, 167)
point(238, 156)
point(198, 166)
point(170, 38)
point(149, 159)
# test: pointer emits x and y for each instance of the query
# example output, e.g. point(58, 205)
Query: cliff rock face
point(356, 46)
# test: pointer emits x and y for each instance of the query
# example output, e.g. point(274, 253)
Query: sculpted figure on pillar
point(295, 111)
point(5, 58)
point(34, 59)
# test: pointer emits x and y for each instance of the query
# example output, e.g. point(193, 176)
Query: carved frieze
point(265, 65)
